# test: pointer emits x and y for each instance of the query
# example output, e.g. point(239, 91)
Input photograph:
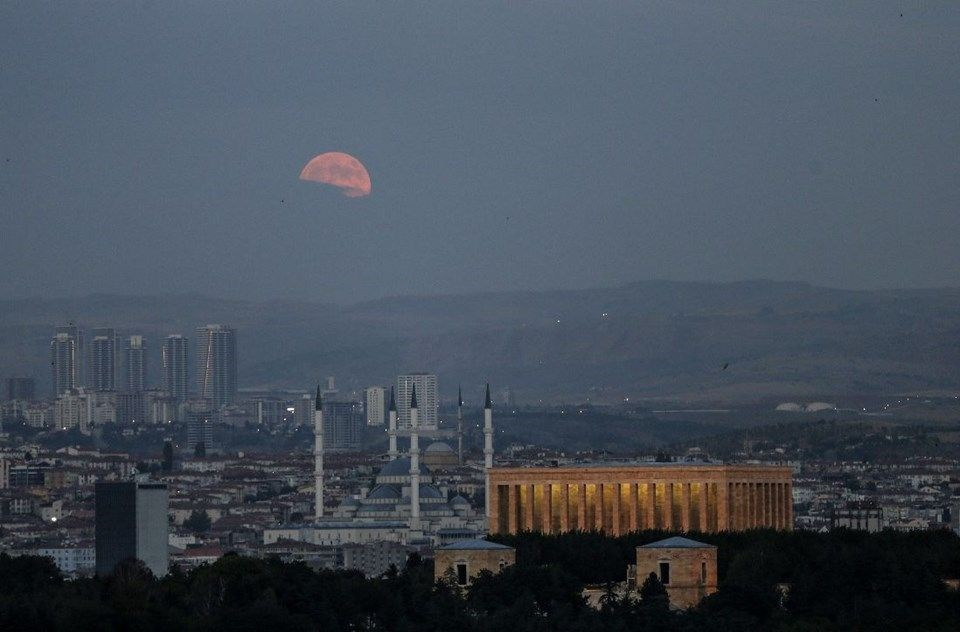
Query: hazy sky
point(151, 147)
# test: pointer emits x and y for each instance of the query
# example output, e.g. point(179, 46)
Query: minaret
point(318, 456)
point(487, 445)
point(393, 427)
point(459, 426)
point(414, 463)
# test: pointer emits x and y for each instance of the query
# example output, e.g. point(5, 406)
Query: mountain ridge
point(646, 339)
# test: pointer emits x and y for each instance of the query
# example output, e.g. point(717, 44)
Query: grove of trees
point(792, 582)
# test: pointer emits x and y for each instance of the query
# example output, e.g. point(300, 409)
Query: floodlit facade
point(685, 567)
point(705, 497)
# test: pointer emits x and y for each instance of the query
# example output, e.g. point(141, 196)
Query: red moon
point(340, 170)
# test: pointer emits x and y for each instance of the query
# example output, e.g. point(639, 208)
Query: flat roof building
point(131, 522)
point(619, 498)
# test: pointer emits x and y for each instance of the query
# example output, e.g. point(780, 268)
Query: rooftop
point(677, 542)
point(475, 545)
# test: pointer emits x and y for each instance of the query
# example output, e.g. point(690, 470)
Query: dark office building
point(136, 361)
point(131, 522)
point(199, 430)
point(20, 388)
point(343, 422)
point(217, 364)
point(103, 359)
point(175, 367)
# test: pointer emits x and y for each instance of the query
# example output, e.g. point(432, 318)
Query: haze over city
point(156, 149)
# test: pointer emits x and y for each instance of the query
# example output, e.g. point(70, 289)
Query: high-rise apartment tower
point(217, 364)
point(426, 384)
point(175, 367)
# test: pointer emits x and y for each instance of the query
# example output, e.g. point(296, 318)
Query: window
point(462, 574)
point(703, 572)
point(665, 573)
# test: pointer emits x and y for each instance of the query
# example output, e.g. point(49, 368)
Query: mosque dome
point(384, 492)
point(400, 467)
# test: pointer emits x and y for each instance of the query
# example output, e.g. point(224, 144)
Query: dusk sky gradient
point(155, 147)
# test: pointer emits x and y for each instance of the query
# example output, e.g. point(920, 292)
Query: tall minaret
point(414, 463)
point(487, 445)
point(459, 426)
point(318, 456)
point(393, 427)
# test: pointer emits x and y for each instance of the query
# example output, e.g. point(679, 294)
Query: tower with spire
point(318, 456)
point(459, 426)
point(487, 446)
point(392, 427)
point(414, 462)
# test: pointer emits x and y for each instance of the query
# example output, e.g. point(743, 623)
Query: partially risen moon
point(340, 170)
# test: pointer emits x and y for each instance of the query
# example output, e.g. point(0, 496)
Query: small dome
point(400, 467)
point(459, 500)
point(430, 491)
point(439, 446)
point(384, 491)
point(791, 407)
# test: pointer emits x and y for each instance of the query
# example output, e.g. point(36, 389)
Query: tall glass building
point(217, 364)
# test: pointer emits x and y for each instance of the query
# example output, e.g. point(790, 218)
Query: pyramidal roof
point(475, 545)
point(677, 542)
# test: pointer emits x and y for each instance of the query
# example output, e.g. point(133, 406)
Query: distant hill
point(642, 340)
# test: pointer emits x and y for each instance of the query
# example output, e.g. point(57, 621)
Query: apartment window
point(703, 572)
point(665, 573)
point(462, 574)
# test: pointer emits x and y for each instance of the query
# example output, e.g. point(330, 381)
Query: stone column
point(723, 506)
point(598, 507)
point(744, 506)
point(512, 501)
point(494, 517)
point(765, 488)
point(751, 506)
point(758, 505)
point(685, 507)
point(582, 507)
point(788, 496)
point(668, 506)
point(617, 519)
point(777, 507)
point(633, 509)
point(528, 510)
point(737, 521)
point(704, 519)
point(547, 515)
point(771, 508)
point(564, 507)
point(651, 522)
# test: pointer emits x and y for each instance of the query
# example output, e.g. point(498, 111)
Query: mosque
point(405, 504)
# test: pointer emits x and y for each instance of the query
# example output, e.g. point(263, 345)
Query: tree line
point(769, 580)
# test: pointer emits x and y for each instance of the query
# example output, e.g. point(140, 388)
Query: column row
point(758, 504)
point(622, 507)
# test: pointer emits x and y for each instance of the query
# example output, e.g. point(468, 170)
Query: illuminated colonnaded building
point(619, 498)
